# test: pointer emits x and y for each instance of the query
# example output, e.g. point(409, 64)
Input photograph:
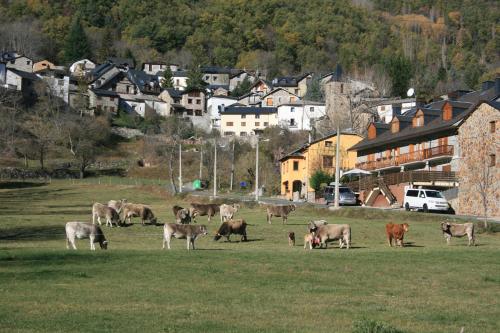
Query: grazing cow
point(117, 204)
point(202, 210)
point(183, 216)
point(227, 212)
point(291, 238)
point(110, 214)
point(138, 210)
point(328, 232)
point(396, 232)
point(458, 230)
point(237, 227)
point(83, 230)
point(175, 209)
point(181, 231)
point(279, 211)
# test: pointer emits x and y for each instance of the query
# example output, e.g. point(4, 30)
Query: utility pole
point(180, 168)
point(232, 170)
point(337, 167)
point(215, 168)
point(257, 171)
point(201, 162)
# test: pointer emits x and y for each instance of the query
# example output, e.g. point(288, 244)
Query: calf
point(117, 204)
point(458, 230)
point(227, 212)
point(181, 231)
point(279, 211)
point(237, 227)
point(83, 230)
point(328, 232)
point(138, 210)
point(396, 232)
point(291, 238)
point(202, 210)
point(110, 214)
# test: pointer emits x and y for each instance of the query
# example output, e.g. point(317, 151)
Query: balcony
point(403, 159)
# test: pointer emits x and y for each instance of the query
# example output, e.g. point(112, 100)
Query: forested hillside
point(444, 44)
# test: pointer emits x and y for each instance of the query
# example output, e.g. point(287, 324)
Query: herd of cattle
point(319, 232)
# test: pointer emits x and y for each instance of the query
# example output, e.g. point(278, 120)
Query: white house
point(153, 68)
point(57, 82)
point(81, 67)
point(180, 79)
point(216, 104)
point(299, 115)
point(386, 110)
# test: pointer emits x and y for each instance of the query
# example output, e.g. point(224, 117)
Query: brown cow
point(237, 227)
point(396, 232)
point(202, 210)
point(279, 211)
point(138, 210)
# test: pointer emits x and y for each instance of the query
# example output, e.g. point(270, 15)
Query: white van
point(425, 200)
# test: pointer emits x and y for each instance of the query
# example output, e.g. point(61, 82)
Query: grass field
point(259, 286)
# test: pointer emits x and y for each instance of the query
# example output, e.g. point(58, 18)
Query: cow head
point(203, 230)
point(104, 245)
point(445, 227)
point(293, 207)
point(406, 227)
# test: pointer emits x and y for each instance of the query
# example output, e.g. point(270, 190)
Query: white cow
point(227, 212)
point(117, 204)
point(110, 214)
point(83, 230)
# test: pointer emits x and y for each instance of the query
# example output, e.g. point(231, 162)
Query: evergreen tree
point(242, 88)
point(106, 49)
point(400, 71)
point(195, 79)
point(314, 91)
point(76, 46)
point(167, 80)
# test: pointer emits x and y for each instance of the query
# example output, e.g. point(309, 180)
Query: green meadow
point(262, 285)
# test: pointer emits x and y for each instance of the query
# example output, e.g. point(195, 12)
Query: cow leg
point(448, 239)
point(93, 218)
point(389, 240)
point(284, 219)
point(244, 237)
point(269, 216)
point(341, 243)
point(73, 244)
point(99, 219)
point(348, 242)
point(92, 246)
point(402, 242)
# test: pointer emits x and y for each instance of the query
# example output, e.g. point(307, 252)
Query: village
point(391, 143)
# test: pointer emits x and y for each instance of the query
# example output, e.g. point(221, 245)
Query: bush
point(371, 326)
point(320, 177)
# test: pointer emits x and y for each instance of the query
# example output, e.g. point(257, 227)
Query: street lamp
point(257, 168)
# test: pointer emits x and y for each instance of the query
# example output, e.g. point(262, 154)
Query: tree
point(43, 134)
point(195, 79)
point(77, 45)
point(106, 49)
point(167, 80)
point(242, 88)
point(400, 71)
point(314, 91)
point(320, 177)
point(85, 138)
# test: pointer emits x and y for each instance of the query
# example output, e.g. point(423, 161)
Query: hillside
point(448, 43)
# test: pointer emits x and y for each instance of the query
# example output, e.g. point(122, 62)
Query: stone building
point(479, 171)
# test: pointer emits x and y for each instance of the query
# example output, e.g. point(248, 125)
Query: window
point(327, 161)
point(292, 109)
point(190, 101)
point(28, 62)
point(412, 193)
point(243, 116)
point(395, 127)
point(229, 123)
point(492, 160)
point(99, 98)
point(295, 165)
point(292, 122)
point(257, 123)
point(341, 88)
point(328, 144)
point(150, 67)
point(269, 102)
point(243, 124)
point(207, 77)
point(311, 109)
point(492, 127)
point(198, 101)
point(257, 116)
point(418, 121)
point(177, 82)
point(266, 123)
point(292, 99)
point(243, 133)
point(382, 108)
point(215, 78)
point(112, 99)
point(296, 91)
point(422, 194)
point(433, 194)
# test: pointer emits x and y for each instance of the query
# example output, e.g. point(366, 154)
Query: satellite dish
point(410, 92)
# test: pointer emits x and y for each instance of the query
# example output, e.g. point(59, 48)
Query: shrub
point(320, 177)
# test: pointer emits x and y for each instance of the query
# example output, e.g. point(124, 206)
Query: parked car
point(346, 195)
point(426, 200)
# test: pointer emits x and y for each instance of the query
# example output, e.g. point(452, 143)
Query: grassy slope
point(262, 285)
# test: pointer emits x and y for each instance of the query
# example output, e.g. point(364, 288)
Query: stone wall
point(478, 144)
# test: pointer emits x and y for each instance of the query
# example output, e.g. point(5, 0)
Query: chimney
point(396, 109)
point(487, 85)
point(497, 86)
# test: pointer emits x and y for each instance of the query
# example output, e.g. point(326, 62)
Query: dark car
point(346, 195)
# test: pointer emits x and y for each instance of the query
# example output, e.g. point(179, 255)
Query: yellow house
point(298, 166)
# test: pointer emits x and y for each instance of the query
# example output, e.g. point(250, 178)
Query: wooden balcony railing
point(416, 156)
point(369, 182)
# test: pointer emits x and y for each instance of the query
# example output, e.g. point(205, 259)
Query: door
point(421, 199)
